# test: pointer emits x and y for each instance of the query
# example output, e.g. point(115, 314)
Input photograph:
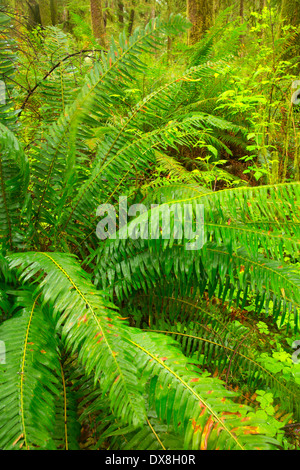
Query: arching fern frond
point(125, 367)
point(67, 427)
point(28, 385)
point(208, 336)
point(194, 405)
point(14, 176)
point(75, 301)
point(103, 90)
point(229, 357)
point(8, 114)
point(234, 256)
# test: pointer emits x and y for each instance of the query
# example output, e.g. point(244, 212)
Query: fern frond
point(174, 421)
point(14, 175)
point(101, 92)
point(230, 357)
point(194, 405)
point(208, 336)
point(67, 427)
point(28, 385)
point(121, 154)
point(221, 260)
point(8, 114)
point(223, 271)
point(108, 432)
point(89, 327)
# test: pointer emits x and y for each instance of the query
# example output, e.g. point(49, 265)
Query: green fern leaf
point(89, 327)
point(28, 384)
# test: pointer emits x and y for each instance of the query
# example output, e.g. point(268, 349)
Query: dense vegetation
point(137, 342)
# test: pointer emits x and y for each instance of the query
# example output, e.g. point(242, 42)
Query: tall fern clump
point(121, 332)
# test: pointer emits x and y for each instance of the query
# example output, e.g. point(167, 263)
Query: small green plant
point(260, 98)
point(263, 327)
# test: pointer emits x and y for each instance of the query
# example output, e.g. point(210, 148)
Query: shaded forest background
point(104, 18)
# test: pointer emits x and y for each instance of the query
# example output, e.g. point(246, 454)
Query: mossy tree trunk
point(98, 21)
point(216, 8)
point(242, 6)
point(45, 12)
point(200, 13)
point(131, 19)
point(48, 12)
point(121, 13)
point(54, 11)
point(34, 16)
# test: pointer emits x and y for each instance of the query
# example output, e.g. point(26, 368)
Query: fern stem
point(155, 434)
point(22, 372)
point(234, 351)
point(5, 204)
point(65, 406)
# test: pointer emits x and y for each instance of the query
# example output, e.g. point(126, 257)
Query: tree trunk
point(216, 8)
point(153, 10)
point(200, 13)
point(169, 43)
point(45, 13)
point(242, 5)
point(242, 9)
point(121, 13)
point(54, 11)
point(98, 21)
point(131, 21)
point(34, 16)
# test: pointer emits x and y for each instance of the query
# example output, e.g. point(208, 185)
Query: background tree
point(98, 21)
point(121, 13)
point(48, 12)
point(200, 13)
point(131, 18)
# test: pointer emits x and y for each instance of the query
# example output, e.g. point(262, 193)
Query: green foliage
point(7, 73)
point(14, 175)
point(261, 93)
point(123, 333)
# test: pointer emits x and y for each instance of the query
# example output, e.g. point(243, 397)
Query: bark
point(98, 21)
point(242, 6)
point(169, 43)
point(291, 11)
point(121, 12)
point(130, 22)
point(54, 9)
point(216, 8)
point(45, 12)
point(153, 10)
point(242, 9)
point(200, 13)
point(34, 16)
